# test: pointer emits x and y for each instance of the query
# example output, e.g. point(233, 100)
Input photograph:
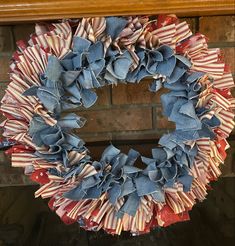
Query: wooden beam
point(34, 10)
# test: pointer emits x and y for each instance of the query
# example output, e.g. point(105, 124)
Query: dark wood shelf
point(32, 10)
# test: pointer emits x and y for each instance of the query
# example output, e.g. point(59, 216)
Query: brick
point(122, 119)
point(4, 159)
point(191, 22)
point(135, 94)
point(23, 31)
point(141, 147)
point(123, 136)
point(136, 135)
point(12, 176)
point(2, 92)
point(228, 168)
point(6, 39)
point(232, 152)
point(233, 90)
point(4, 68)
point(162, 122)
point(96, 137)
point(229, 57)
point(103, 94)
point(218, 28)
point(3, 86)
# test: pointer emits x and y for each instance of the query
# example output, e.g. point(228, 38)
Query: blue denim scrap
point(152, 62)
point(123, 179)
point(82, 69)
point(118, 67)
point(114, 26)
point(69, 83)
point(57, 137)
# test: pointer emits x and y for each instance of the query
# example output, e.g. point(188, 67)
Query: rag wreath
point(58, 69)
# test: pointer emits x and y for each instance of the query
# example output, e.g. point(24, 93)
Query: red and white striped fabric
point(56, 39)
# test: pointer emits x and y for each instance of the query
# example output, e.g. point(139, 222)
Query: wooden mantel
point(32, 10)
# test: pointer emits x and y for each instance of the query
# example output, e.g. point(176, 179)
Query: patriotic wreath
point(58, 70)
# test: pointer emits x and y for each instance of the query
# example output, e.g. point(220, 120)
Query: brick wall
point(130, 111)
